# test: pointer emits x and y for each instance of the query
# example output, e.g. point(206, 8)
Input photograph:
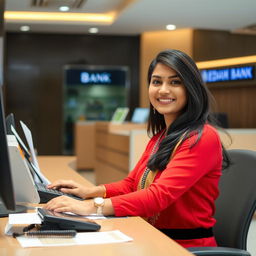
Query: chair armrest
point(217, 251)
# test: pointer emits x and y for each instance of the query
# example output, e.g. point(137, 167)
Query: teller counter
point(117, 149)
point(113, 149)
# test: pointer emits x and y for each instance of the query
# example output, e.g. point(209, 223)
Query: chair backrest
point(236, 204)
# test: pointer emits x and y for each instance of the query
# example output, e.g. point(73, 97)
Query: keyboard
point(46, 194)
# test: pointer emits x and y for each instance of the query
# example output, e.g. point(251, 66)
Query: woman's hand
point(70, 187)
point(86, 207)
point(67, 204)
point(74, 188)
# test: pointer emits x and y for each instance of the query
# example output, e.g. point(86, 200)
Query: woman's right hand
point(71, 187)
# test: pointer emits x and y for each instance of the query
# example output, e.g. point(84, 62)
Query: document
point(84, 238)
point(35, 164)
point(17, 221)
point(24, 218)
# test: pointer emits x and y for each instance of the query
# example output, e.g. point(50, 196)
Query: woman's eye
point(176, 82)
point(156, 82)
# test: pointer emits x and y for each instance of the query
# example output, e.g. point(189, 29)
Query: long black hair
point(195, 114)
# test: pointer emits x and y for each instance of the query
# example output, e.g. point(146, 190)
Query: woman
point(175, 183)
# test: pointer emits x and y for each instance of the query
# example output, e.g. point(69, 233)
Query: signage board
point(228, 74)
point(86, 77)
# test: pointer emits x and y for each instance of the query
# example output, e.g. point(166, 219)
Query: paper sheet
point(87, 238)
point(28, 136)
point(29, 139)
point(91, 216)
point(24, 218)
point(17, 221)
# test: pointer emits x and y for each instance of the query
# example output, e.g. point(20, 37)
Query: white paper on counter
point(85, 238)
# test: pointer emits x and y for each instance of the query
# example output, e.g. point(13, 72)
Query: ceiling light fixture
point(170, 27)
point(93, 30)
point(105, 19)
point(64, 8)
point(24, 28)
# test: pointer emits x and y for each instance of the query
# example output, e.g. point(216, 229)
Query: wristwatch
point(99, 203)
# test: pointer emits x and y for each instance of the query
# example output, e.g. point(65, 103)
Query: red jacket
point(182, 196)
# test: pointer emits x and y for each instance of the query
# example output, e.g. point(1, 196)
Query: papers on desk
point(83, 238)
point(24, 218)
point(35, 164)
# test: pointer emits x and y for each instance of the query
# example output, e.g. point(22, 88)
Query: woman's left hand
point(68, 204)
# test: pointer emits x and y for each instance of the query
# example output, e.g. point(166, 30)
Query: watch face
point(98, 200)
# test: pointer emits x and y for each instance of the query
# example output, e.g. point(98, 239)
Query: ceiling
point(133, 17)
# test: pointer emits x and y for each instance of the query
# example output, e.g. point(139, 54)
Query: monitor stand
point(4, 212)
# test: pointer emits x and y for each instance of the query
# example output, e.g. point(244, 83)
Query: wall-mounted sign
point(101, 76)
point(228, 74)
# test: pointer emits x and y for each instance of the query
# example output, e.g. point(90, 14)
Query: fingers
point(62, 183)
point(72, 191)
point(59, 204)
point(67, 204)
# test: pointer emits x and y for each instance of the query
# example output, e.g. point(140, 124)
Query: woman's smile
point(165, 100)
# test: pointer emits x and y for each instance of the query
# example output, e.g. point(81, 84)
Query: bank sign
point(228, 74)
point(96, 76)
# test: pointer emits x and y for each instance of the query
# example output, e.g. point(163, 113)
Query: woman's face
point(167, 93)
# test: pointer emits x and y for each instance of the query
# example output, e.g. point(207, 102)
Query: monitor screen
point(6, 185)
point(140, 115)
point(119, 115)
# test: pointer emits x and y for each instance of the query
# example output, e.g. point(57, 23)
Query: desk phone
point(54, 220)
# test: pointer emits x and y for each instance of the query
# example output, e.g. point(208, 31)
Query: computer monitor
point(140, 115)
point(119, 115)
point(6, 185)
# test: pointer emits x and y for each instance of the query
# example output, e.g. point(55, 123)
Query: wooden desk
point(147, 240)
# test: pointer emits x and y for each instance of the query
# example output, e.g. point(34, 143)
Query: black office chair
point(235, 206)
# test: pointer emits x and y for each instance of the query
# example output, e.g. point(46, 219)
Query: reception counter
point(114, 149)
point(117, 149)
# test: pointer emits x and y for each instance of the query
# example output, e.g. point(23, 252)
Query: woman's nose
point(164, 88)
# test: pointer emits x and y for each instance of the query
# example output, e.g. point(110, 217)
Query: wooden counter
point(117, 149)
point(147, 241)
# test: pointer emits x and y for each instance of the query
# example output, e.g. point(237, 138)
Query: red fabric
point(182, 196)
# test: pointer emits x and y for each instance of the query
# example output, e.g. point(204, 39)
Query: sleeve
point(127, 185)
point(187, 166)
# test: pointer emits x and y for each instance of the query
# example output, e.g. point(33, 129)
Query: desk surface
point(147, 240)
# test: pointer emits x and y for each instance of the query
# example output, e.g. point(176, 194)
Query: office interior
point(35, 90)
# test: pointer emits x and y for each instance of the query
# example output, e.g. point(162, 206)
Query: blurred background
point(58, 57)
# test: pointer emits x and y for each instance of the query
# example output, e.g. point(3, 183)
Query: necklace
point(147, 170)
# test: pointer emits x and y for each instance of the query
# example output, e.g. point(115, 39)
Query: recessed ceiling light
point(64, 8)
point(93, 30)
point(24, 28)
point(170, 27)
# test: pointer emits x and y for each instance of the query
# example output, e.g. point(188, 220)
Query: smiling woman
point(175, 183)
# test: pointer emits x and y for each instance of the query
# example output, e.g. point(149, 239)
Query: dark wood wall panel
point(34, 76)
point(239, 103)
point(212, 44)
